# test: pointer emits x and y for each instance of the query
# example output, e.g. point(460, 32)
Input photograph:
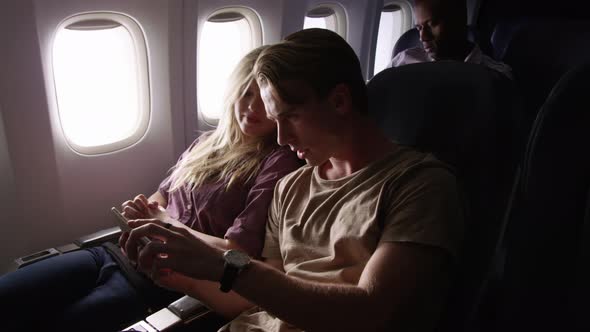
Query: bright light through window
point(315, 22)
point(222, 45)
point(96, 81)
point(327, 16)
point(390, 28)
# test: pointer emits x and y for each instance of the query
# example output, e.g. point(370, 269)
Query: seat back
point(544, 235)
point(540, 51)
point(407, 40)
point(452, 109)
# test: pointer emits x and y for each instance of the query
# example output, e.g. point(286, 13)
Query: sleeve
point(248, 227)
point(395, 62)
point(271, 249)
point(164, 186)
point(426, 209)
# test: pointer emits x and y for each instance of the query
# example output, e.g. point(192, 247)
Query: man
point(363, 238)
point(443, 33)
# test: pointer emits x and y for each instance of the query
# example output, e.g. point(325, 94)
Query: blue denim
point(82, 290)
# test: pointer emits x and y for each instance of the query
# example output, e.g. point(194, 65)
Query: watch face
point(236, 258)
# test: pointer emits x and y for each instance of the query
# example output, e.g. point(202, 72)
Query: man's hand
point(175, 249)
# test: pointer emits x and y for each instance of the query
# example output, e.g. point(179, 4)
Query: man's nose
point(425, 34)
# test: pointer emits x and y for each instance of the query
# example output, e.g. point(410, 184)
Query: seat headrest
point(540, 51)
point(435, 107)
point(407, 40)
point(557, 152)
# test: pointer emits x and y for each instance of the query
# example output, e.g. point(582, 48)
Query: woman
point(219, 191)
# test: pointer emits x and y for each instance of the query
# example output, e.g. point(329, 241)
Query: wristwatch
point(235, 262)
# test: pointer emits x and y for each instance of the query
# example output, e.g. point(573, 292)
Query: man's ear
point(341, 99)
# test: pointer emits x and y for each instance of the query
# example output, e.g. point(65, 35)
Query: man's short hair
point(454, 9)
point(318, 57)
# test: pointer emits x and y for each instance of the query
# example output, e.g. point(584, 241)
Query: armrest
point(180, 312)
point(188, 308)
point(105, 235)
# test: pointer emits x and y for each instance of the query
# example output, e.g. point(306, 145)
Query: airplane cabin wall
point(91, 184)
point(7, 195)
point(60, 194)
point(37, 198)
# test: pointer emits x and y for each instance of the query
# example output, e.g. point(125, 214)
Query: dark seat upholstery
point(544, 234)
point(407, 40)
point(454, 110)
point(540, 51)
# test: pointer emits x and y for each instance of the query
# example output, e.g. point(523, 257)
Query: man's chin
point(432, 54)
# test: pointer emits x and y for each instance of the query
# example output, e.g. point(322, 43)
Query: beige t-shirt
point(326, 230)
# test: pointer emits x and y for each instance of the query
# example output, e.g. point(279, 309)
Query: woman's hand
point(134, 223)
point(175, 249)
point(141, 208)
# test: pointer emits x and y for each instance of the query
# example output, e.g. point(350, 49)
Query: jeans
point(82, 290)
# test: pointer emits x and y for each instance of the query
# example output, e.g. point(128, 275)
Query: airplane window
point(323, 18)
point(100, 76)
point(225, 38)
point(328, 16)
point(389, 32)
point(396, 18)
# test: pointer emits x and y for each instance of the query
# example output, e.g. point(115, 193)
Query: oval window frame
point(143, 78)
point(256, 39)
point(407, 23)
point(340, 16)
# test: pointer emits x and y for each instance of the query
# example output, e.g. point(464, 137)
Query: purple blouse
point(238, 213)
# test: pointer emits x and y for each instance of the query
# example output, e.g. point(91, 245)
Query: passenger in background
point(219, 192)
point(364, 238)
point(442, 25)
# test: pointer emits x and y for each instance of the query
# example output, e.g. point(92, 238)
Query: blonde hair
point(225, 155)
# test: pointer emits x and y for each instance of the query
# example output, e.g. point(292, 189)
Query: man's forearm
point(308, 305)
point(228, 305)
point(399, 284)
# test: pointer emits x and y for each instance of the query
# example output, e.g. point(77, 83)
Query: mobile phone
point(122, 222)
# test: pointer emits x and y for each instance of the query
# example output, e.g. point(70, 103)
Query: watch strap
point(229, 276)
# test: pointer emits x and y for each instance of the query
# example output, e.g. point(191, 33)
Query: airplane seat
point(540, 51)
point(436, 107)
point(411, 39)
point(544, 238)
point(407, 40)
